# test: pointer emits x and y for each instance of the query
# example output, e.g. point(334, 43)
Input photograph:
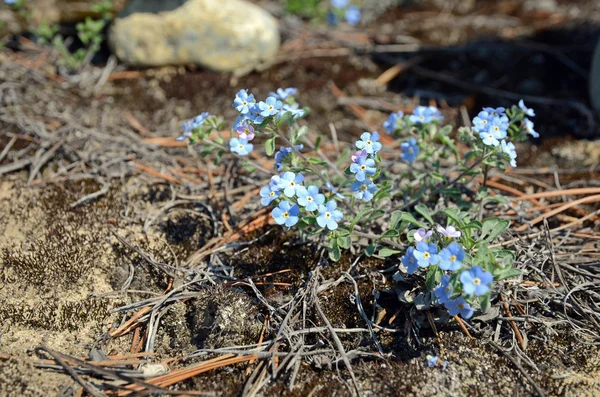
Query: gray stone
point(224, 35)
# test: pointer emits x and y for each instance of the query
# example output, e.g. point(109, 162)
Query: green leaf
point(449, 142)
point(436, 176)
point(334, 250)
point(344, 242)
point(504, 273)
point(286, 117)
point(454, 215)
point(376, 214)
point(317, 143)
point(301, 132)
point(473, 225)
point(270, 146)
point(370, 250)
point(505, 258)
point(424, 210)
point(390, 234)
point(408, 217)
point(395, 219)
point(359, 216)
point(434, 275)
point(493, 227)
point(316, 161)
point(485, 302)
point(496, 199)
point(385, 252)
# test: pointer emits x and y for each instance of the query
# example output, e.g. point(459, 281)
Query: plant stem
point(378, 238)
point(254, 164)
point(436, 191)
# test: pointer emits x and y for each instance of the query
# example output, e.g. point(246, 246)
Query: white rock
point(223, 35)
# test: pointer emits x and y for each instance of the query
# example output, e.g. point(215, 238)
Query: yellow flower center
point(421, 117)
point(328, 215)
point(292, 183)
point(286, 214)
point(448, 289)
point(369, 143)
point(363, 187)
point(496, 128)
point(484, 122)
point(270, 107)
point(244, 103)
point(453, 258)
point(363, 167)
point(461, 306)
point(272, 194)
point(426, 255)
point(476, 281)
point(309, 198)
point(240, 146)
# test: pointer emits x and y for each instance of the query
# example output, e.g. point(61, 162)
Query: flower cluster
point(493, 125)
point(351, 13)
point(253, 114)
point(425, 114)
point(297, 200)
point(363, 166)
point(528, 124)
point(421, 116)
point(394, 122)
point(475, 281)
point(284, 153)
point(190, 125)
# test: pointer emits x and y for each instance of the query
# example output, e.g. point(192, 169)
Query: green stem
point(254, 164)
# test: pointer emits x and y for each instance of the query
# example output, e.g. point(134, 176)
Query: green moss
point(60, 258)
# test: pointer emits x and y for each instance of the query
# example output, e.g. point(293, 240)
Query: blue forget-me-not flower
point(425, 114)
point(451, 257)
point(459, 306)
point(363, 167)
point(286, 214)
point(329, 216)
point(369, 142)
point(290, 182)
point(476, 281)
point(443, 292)
point(243, 101)
point(240, 146)
point(364, 190)
point(310, 198)
point(426, 254)
point(410, 150)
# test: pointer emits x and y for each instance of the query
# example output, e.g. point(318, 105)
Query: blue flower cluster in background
point(425, 114)
point(420, 118)
point(393, 122)
point(491, 125)
point(298, 201)
point(190, 125)
point(475, 281)
point(410, 150)
point(363, 166)
point(253, 114)
point(351, 13)
point(494, 124)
